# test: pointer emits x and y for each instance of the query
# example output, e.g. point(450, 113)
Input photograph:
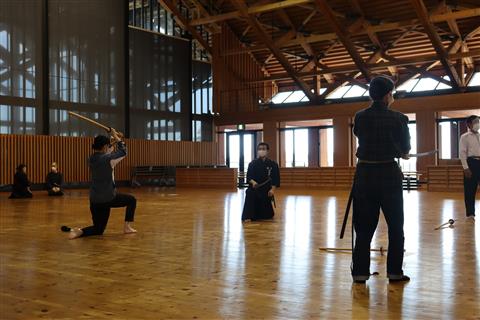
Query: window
point(202, 101)
point(326, 147)
point(408, 86)
point(296, 96)
point(17, 120)
point(355, 91)
point(425, 84)
point(410, 165)
point(339, 92)
point(281, 96)
point(443, 86)
point(296, 148)
point(475, 81)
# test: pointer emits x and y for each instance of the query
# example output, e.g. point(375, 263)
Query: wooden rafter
point(376, 66)
point(301, 3)
point(387, 26)
point(251, 10)
point(183, 23)
point(422, 14)
point(343, 37)
point(253, 22)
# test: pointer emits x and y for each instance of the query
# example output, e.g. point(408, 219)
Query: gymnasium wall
point(71, 154)
point(231, 74)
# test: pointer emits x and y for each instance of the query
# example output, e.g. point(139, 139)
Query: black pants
point(258, 205)
point(21, 194)
point(470, 185)
point(101, 213)
point(377, 186)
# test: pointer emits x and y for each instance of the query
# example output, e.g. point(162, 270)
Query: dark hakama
point(21, 186)
point(54, 179)
point(258, 205)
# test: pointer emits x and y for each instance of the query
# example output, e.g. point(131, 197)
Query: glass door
point(240, 152)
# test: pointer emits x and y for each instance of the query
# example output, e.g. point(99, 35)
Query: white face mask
point(476, 126)
point(262, 153)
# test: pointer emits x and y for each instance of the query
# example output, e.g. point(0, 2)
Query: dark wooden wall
point(71, 154)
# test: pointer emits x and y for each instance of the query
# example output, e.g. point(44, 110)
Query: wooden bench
point(165, 175)
point(334, 178)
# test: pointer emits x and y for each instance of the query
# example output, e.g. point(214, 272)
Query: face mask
point(262, 153)
point(476, 126)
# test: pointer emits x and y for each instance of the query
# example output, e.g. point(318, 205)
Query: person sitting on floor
point(54, 181)
point(21, 185)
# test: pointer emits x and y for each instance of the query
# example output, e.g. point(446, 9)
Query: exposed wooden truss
point(292, 50)
point(375, 66)
point(253, 22)
point(423, 16)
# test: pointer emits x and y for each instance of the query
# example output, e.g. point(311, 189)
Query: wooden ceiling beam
point(376, 66)
point(250, 10)
point(387, 26)
point(343, 37)
point(427, 24)
point(242, 7)
point(462, 14)
point(183, 23)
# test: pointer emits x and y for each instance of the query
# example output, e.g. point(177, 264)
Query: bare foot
point(128, 228)
point(75, 233)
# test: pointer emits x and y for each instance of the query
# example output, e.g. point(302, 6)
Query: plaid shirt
point(382, 133)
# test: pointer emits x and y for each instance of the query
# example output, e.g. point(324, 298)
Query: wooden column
point(313, 148)
point(426, 138)
point(342, 141)
point(220, 148)
point(270, 136)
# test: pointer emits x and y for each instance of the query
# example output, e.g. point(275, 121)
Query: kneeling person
point(263, 177)
point(103, 192)
point(21, 184)
point(54, 181)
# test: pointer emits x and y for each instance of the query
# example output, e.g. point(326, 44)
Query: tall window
point(202, 101)
point(150, 15)
point(326, 147)
point(159, 108)
point(86, 61)
point(410, 165)
point(296, 148)
point(19, 60)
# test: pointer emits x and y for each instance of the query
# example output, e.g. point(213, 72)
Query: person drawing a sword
point(383, 135)
point(103, 192)
point(263, 178)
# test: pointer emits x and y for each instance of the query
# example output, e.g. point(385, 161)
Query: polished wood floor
point(193, 259)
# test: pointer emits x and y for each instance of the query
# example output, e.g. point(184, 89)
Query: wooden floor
point(193, 259)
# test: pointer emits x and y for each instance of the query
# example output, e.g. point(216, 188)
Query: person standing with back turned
point(383, 135)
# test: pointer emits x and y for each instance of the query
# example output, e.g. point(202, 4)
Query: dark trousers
point(101, 213)
point(378, 186)
point(20, 194)
point(258, 205)
point(470, 186)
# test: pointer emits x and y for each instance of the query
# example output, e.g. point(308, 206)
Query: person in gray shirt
point(103, 193)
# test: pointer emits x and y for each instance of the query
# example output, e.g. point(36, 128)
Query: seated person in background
point(54, 181)
point(21, 185)
point(263, 178)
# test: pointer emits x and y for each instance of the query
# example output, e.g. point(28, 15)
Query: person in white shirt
point(470, 157)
